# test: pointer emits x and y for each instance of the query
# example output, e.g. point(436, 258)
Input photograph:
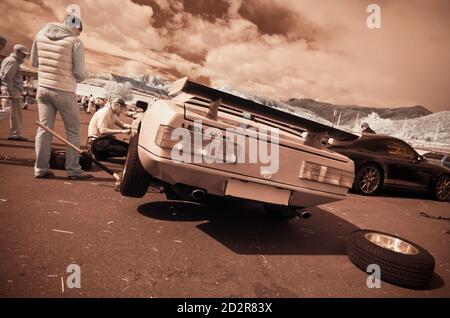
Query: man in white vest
point(59, 55)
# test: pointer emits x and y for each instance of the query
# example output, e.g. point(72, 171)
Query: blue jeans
point(49, 102)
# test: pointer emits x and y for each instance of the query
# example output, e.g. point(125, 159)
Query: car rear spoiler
point(316, 131)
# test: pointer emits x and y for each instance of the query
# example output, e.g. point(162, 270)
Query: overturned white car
point(207, 143)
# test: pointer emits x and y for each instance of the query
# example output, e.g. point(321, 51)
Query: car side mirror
point(418, 159)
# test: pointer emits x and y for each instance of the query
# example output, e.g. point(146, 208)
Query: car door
point(404, 166)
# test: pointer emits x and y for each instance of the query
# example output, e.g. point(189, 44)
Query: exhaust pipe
point(305, 215)
point(198, 194)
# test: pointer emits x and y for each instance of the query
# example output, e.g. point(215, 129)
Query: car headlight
point(320, 173)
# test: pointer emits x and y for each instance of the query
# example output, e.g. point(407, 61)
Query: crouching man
point(101, 135)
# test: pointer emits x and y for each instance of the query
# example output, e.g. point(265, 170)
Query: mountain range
point(349, 113)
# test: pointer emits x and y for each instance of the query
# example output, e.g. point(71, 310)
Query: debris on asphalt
point(107, 231)
point(68, 202)
point(434, 217)
point(52, 275)
point(309, 231)
point(178, 241)
point(110, 222)
point(155, 249)
point(67, 182)
point(61, 231)
point(125, 288)
point(3, 200)
point(265, 259)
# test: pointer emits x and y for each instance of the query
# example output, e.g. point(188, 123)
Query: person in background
point(3, 101)
point(12, 87)
point(99, 103)
point(3, 42)
point(366, 129)
point(84, 101)
point(101, 132)
point(58, 53)
point(91, 104)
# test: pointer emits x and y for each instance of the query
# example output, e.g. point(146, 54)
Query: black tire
point(442, 188)
point(135, 180)
point(413, 270)
point(280, 212)
point(58, 160)
point(369, 179)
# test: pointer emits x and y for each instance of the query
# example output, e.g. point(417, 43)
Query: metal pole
point(81, 152)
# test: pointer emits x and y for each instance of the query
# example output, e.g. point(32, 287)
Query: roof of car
point(375, 136)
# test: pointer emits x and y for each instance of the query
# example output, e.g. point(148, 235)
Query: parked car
point(308, 175)
point(382, 162)
point(438, 158)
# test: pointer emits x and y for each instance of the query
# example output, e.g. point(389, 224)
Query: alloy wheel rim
point(392, 243)
point(443, 188)
point(369, 180)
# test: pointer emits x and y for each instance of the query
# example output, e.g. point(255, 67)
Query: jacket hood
point(57, 31)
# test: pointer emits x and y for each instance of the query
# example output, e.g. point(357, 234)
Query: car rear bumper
point(221, 183)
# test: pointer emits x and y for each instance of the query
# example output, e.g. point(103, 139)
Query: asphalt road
point(151, 247)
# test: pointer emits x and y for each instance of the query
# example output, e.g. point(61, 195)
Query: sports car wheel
point(135, 180)
point(368, 180)
point(442, 188)
point(401, 262)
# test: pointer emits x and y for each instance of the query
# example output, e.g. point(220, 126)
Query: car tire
point(412, 268)
point(442, 188)
point(58, 160)
point(135, 180)
point(280, 212)
point(368, 180)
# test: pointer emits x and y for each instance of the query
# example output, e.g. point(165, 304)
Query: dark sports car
point(382, 162)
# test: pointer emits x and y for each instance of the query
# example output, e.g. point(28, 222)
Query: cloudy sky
point(319, 49)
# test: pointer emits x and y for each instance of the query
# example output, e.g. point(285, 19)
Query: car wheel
point(401, 262)
point(135, 180)
point(368, 180)
point(442, 188)
point(280, 212)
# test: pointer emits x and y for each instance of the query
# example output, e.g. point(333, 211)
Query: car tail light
point(316, 172)
point(164, 137)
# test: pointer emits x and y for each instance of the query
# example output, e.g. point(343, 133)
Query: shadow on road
point(243, 228)
point(405, 194)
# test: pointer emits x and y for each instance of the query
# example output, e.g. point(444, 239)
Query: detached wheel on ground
point(368, 179)
point(401, 262)
point(280, 212)
point(442, 188)
point(58, 160)
point(135, 180)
